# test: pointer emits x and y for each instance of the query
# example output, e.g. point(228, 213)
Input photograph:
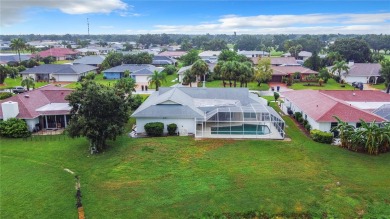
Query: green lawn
point(178, 177)
point(9, 82)
point(387, 57)
point(251, 85)
point(379, 86)
point(276, 53)
point(331, 85)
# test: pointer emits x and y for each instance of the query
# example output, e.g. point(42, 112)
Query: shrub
point(172, 129)
point(322, 137)
point(154, 128)
point(305, 122)
point(14, 128)
point(307, 127)
point(104, 77)
point(135, 101)
point(5, 95)
point(298, 115)
point(90, 76)
point(170, 69)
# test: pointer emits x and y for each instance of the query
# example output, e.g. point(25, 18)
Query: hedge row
point(322, 137)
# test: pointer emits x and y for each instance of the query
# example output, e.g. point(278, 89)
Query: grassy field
point(9, 82)
point(178, 177)
point(379, 86)
point(331, 85)
point(251, 85)
point(387, 57)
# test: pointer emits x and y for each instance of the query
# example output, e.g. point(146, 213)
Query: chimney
point(351, 63)
point(10, 110)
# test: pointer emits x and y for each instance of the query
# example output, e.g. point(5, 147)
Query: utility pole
point(88, 26)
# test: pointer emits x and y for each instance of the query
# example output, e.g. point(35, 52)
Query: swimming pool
point(244, 129)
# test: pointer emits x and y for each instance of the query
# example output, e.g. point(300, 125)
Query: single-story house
point(319, 106)
point(58, 53)
point(61, 73)
point(90, 60)
point(211, 113)
point(163, 60)
point(366, 73)
point(5, 59)
point(278, 72)
point(173, 54)
point(252, 54)
point(284, 61)
point(97, 50)
point(42, 108)
point(210, 56)
point(302, 55)
point(181, 71)
point(139, 72)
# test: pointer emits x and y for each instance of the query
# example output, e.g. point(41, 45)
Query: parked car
point(18, 89)
point(357, 84)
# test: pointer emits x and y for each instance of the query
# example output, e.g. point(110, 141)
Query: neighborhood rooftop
point(59, 69)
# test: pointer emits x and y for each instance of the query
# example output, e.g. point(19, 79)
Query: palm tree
point(200, 68)
point(340, 66)
point(345, 132)
point(189, 77)
point(157, 78)
point(374, 137)
point(227, 71)
point(18, 44)
point(246, 74)
point(28, 82)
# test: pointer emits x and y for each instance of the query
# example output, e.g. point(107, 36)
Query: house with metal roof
point(139, 72)
point(61, 73)
point(211, 113)
point(253, 54)
point(90, 60)
point(42, 108)
point(319, 107)
point(163, 60)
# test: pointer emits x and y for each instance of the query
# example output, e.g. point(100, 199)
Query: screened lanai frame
point(252, 121)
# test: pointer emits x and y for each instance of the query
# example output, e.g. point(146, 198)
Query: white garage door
point(67, 77)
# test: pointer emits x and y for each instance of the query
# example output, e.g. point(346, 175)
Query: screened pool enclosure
point(252, 121)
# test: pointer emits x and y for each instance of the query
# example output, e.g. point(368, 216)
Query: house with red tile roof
point(58, 53)
point(278, 72)
point(42, 108)
point(318, 107)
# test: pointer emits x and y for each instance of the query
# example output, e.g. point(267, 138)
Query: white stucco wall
point(350, 79)
point(141, 78)
point(188, 124)
point(31, 123)
point(66, 77)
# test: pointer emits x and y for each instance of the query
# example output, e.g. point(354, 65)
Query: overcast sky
point(194, 17)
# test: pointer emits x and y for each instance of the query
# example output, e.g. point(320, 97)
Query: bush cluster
point(154, 128)
point(322, 137)
point(172, 129)
point(14, 128)
point(5, 95)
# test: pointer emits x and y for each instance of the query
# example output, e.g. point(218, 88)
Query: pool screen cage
point(252, 121)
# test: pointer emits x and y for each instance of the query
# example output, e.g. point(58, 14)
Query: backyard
point(178, 177)
point(9, 83)
point(251, 85)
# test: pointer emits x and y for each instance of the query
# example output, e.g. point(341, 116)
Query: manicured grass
point(62, 62)
point(251, 85)
point(178, 177)
point(387, 57)
point(331, 85)
point(9, 82)
point(379, 86)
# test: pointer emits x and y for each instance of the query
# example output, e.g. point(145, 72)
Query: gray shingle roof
point(59, 69)
point(90, 60)
point(364, 69)
point(383, 111)
point(135, 69)
point(183, 102)
point(13, 58)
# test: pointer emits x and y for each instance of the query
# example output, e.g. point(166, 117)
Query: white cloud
point(12, 11)
point(285, 24)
